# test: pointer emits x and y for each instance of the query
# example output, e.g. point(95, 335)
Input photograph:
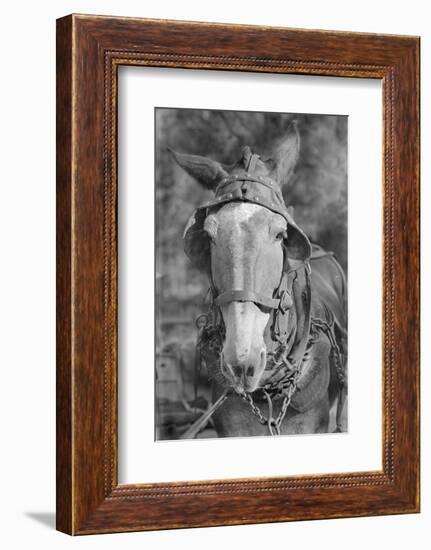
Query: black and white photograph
point(251, 261)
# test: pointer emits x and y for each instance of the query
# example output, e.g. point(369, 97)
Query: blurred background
point(317, 190)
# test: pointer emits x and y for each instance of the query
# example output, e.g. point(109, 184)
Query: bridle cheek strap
point(247, 296)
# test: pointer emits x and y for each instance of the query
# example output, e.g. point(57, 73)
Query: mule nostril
point(237, 371)
point(250, 371)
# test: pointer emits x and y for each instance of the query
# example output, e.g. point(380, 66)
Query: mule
point(275, 338)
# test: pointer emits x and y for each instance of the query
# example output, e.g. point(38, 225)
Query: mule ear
point(286, 155)
point(206, 171)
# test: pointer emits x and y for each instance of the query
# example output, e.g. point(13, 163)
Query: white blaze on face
point(240, 217)
point(244, 346)
point(245, 256)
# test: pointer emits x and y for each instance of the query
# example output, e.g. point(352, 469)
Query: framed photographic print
point(237, 274)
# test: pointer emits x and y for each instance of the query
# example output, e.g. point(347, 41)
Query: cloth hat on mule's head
point(250, 180)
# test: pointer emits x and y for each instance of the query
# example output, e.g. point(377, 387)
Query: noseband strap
point(246, 296)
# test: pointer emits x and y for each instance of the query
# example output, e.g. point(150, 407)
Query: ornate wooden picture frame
point(89, 51)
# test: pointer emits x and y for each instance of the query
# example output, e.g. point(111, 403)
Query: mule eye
point(280, 236)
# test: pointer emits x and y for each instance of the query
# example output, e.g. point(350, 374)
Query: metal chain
point(247, 398)
point(273, 424)
point(328, 329)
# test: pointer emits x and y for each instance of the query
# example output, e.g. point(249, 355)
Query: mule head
point(246, 252)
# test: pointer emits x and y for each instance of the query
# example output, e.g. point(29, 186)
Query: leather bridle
point(247, 296)
point(281, 297)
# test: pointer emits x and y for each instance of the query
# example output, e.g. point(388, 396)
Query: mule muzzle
point(244, 376)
